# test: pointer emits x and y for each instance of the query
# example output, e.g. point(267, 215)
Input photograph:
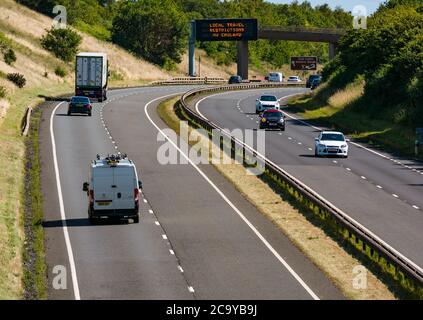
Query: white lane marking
point(62, 209)
point(180, 269)
point(164, 237)
point(363, 177)
point(157, 223)
point(416, 207)
point(145, 201)
point(334, 161)
point(289, 138)
point(150, 211)
point(171, 252)
point(330, 203)
point(310, 149)
point(223, 196)
point(380, 187)
point(191, 289)
point(353, 143)
point(395, 195)
point(348, 169)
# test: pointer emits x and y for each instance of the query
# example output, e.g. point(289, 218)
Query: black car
point(80, 105)
point(235, 80)
point(315, 83)
point(272, 119)
point(312, 78)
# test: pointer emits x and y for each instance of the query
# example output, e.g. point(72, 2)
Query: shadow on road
point(82, 222)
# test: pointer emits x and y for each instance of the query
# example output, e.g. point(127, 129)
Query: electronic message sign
point(226, 29)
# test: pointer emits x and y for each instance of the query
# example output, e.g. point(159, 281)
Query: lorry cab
point(113, 190)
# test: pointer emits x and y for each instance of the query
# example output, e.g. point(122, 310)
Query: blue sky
point(347, 5)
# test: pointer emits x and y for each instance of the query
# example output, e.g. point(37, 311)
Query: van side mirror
point(85, 186)
point(140, 184)
point(316, 139)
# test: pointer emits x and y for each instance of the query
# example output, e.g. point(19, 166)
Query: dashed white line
point(348, 169)
point(380, 187)
point(225, 198)
point(180, 269)
point(150, 211)
point(191, 289)
point(363, 177)
point(416, 207)
point(171, 252)
point(157, 223)
point(395, 195)
point(164, 237)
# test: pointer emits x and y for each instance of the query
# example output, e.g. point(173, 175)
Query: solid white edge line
point(62, 209)
point(249, 224)
point(327, 201)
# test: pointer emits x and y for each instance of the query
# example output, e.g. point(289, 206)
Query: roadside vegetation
point(140, 26)
point(296, 222)
point(374, 87)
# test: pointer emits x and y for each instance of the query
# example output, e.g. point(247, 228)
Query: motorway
point(380, 191)
point(198, 238)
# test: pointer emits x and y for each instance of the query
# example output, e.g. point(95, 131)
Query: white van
point(276, 77)
point(114, 190)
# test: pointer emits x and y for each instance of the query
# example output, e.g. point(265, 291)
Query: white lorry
point(276, 77)
point(91, 75)
point(114, 190)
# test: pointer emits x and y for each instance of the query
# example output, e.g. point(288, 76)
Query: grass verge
point(34, 278)
point(296, 222)
point(22, 253)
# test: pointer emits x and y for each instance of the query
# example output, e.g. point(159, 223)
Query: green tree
point(152, 29)
point(63, 43)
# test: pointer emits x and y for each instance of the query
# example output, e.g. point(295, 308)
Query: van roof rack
point(112, 159)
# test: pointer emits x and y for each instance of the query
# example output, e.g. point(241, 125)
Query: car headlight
point(263, 120)
point(281, 120)
point(343, 146)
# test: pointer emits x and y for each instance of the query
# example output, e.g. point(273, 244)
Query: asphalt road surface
point(198, 238)
point(382, 192)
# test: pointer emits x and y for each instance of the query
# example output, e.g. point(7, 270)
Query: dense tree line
point(389, 57)
point(158, 30)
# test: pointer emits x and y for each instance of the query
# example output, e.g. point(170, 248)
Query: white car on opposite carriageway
point(331, 143)
point(294, 79)
point(266, 102)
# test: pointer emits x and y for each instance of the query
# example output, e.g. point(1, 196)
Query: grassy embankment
point(298, 224)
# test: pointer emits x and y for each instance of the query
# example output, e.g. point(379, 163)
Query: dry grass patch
point(323, 251)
